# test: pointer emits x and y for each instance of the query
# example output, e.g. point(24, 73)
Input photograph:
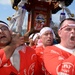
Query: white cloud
point(5, 2)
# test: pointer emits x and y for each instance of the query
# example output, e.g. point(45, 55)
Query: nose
point(73, 30)
point(49, 35)
point(0, 30)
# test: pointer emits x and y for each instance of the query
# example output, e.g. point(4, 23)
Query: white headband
point(35, 36)
point(71, 24)
point(43, 30)
point(66, 26)
point(31, 36)
point(4, 24)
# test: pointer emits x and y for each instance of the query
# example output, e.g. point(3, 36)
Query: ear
point(59, 33)
point(11, 32)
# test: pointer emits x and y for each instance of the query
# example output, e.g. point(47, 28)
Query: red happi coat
point(39, 51)
point(28, 64)
point(58, 61)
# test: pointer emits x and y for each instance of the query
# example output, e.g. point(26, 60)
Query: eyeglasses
point(4, 28)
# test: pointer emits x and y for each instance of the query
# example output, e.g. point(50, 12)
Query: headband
point(43, 30)
point(4, 24)
point(71, 24)
point(66, 26)
point(31, 36)
point(35, 36)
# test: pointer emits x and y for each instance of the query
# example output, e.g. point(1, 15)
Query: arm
point(58, 62)
point(6, 52)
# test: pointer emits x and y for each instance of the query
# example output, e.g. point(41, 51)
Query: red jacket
point(28, 64)
point(34, 46)
point(39, 51)
point(3, 58)
point(59, 62)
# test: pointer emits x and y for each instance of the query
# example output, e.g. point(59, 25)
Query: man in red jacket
point(16, 58)
point(59, 59)
point(46, 35)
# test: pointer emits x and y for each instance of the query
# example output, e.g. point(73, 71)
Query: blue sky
point(6, 11)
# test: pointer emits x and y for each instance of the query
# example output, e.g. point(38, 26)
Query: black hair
point(71, 19)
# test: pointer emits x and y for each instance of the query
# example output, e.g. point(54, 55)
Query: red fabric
point(59, 62)
point(33, 46)
point(39, 51)
point(29, 64)
point(3, 58)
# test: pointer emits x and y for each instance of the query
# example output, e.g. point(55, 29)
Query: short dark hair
point(71, 19)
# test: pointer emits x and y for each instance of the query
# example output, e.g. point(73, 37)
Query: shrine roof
point(52, 4)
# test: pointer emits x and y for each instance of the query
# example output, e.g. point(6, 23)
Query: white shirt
point(65, 49)
point(15, 58)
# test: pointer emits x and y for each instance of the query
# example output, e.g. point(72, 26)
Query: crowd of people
point(44, 55)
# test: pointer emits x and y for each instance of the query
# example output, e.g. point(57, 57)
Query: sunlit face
point(5, 35)
point(47, 38)
point(67, 34)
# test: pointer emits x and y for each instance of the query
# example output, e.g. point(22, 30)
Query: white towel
point(15, 58)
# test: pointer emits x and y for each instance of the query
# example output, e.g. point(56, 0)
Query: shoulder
point(52, 48)
point(39, 49)
point(29, 49)
point(30, 53)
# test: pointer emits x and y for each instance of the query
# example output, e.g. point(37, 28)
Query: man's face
point(67, 34)
point(47, 38)
point(5, 35)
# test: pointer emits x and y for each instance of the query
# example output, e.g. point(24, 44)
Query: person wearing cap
point(59, 59)
point(46, 35)
point(15, 57)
